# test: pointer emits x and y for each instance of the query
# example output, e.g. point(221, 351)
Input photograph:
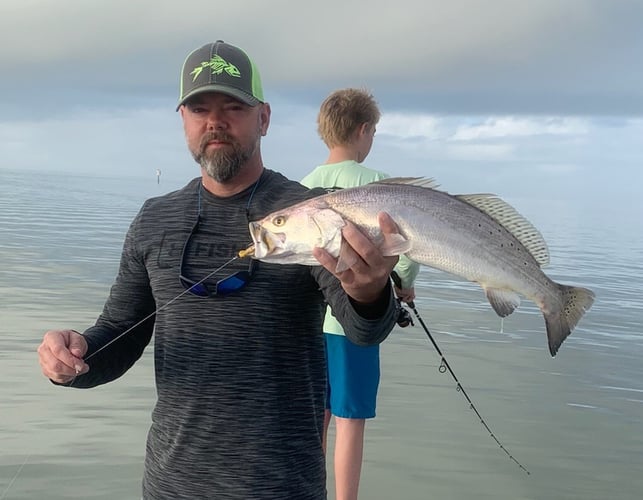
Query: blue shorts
point(353, 377)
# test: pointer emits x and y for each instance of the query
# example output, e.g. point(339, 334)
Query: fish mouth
point(265, 242)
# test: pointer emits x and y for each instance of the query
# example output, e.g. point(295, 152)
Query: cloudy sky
point(498, 96)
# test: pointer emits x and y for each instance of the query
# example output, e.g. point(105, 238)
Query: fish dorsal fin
point(512, 221)
point(426, 182)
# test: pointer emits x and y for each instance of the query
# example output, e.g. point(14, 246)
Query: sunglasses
point(229, 284)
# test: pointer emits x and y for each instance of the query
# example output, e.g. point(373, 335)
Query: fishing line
point(444, 366)
point(159, 309)
point(13, 479)
point(241, 254)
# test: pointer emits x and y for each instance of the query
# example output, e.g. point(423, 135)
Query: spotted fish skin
point(477, 237)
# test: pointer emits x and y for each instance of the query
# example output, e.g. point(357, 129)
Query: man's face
point(222, 133)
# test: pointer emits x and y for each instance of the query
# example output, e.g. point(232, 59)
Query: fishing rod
point(444, 366)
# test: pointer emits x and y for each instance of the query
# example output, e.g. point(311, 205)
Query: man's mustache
point(214, 136)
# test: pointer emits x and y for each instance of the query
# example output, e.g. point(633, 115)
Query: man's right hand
point(61, 355)
point(406, 295)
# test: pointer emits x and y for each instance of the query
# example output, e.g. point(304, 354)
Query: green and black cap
point(220, 67)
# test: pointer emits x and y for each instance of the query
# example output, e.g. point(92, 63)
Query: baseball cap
point(220, 67)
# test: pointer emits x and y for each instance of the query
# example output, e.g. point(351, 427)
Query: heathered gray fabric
point(240, 379)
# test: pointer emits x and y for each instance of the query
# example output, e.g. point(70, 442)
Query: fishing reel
point(404, 318)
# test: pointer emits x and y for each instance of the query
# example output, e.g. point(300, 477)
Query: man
point(346, 123)
point(239, 360)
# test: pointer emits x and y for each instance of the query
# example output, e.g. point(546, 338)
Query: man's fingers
point(54, 368)
point(360, 266)
point(405, 294)
point(77, 345)
point(387, 224)
point(348, 258)
point(325, 259)
point(64, 355)
point(355, 238)
point(56, 358)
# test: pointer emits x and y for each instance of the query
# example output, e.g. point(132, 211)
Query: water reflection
point(574, 421)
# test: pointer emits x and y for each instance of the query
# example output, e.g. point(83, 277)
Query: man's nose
point(215, 120)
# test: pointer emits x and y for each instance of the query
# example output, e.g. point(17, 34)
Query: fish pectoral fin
point(394, 244)
point(503, 301)
point(347, 257)
point(329, 223)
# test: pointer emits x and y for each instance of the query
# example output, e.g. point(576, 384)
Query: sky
point(515, 97)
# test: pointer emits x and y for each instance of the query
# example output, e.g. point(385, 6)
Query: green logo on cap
point(218, 65)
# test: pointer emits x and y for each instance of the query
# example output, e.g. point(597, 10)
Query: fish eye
point(279, 220)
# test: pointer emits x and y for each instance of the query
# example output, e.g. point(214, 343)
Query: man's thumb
point(77, 345)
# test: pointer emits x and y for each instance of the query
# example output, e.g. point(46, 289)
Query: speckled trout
point(478, 237)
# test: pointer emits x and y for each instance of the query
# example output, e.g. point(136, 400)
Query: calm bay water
point(574, 421)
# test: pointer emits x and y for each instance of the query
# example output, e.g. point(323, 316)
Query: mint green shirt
point(347, 174)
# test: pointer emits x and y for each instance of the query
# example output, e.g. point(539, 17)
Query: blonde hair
point(343, 112)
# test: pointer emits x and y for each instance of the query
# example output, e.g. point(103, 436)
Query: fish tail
point(575, 301)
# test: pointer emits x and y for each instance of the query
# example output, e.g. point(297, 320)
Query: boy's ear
point(362, 131)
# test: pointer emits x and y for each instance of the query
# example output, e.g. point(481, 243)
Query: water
point(574, 421)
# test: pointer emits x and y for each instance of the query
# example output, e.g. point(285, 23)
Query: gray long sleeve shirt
point(240, 378)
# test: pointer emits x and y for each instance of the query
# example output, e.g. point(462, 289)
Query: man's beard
point(222, 164)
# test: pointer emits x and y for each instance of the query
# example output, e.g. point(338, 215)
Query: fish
point(477, 237)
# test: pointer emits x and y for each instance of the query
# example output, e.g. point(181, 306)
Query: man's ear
point(265, 118)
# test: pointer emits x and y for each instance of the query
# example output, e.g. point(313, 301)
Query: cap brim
point(221, 89)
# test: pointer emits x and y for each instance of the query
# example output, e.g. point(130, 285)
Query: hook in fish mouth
point(265, 242)
point(246, 252)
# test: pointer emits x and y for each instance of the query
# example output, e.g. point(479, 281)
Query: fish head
point(288, 236)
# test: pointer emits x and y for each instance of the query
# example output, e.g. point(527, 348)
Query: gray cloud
point(461, 56)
